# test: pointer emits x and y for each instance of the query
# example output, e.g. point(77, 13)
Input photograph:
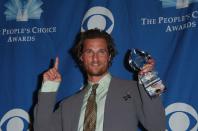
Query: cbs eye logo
point(98, 17)
point(15, 120)
point(181, 117)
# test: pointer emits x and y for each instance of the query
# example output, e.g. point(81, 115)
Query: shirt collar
point(102, 88)
point(103, 81)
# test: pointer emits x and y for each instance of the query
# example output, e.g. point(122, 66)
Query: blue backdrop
point(33, 32)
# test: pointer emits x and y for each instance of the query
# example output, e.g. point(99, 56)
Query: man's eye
point(102, 52)
point(88, 51)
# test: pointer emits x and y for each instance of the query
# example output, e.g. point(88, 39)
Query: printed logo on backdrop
point(23, 10)
point(98, 17)
point(24, 35)
point(15, 120)
point(178, 113)
point(177, 3)
point(174, 23)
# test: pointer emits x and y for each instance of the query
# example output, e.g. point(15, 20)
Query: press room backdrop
point(34, 32)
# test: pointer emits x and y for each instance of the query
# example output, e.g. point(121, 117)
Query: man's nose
point(95, 56)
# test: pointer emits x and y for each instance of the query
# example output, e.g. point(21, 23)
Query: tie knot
point(94, 86)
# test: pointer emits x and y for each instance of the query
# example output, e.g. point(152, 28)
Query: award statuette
point(150, 81)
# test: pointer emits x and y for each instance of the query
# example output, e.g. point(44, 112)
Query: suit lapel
point(110, 105)
point(118, 103)
point(77, 109)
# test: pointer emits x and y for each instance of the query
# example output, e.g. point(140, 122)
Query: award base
point(152, 83)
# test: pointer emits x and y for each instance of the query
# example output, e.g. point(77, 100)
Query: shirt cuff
point(50, 86)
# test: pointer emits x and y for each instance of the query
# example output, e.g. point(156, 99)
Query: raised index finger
point(56, 63)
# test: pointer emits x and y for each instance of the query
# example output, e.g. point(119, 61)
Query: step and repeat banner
point(34, 32)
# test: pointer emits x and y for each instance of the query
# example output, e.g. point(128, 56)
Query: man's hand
point(53, 74)
point(149, 66)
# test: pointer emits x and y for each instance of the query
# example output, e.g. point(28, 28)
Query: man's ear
point(109, 57)
point(81, 58)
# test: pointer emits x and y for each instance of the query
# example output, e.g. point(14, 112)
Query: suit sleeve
point(45, 118)
point(150, 111)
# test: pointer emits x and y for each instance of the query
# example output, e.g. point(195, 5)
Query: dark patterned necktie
point(91, 111)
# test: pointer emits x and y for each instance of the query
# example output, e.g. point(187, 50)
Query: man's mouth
point(95, 64)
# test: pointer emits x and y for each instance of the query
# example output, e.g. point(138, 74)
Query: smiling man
point(106, 103)
point(95, 58)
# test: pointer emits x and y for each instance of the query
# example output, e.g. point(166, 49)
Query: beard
point(98, 73)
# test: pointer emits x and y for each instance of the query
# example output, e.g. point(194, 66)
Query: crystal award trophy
point(150, 80)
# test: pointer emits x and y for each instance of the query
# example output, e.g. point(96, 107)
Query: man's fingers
point(56, 63)
point(151, 61)
point(148, 67)
point(45, 76)
point(53, 74)
point(53, 71)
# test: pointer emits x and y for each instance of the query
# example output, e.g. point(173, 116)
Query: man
point(106, 103)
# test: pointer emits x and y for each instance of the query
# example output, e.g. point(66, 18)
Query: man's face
point(95, 57)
